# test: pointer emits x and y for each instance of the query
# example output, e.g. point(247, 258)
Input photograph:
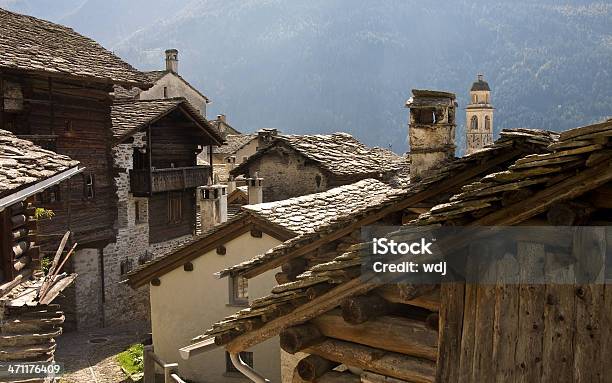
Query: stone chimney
point(230, 164)
point(431, 130)
point(265, 137)
point(172, 60)
point(231, 185)
point(213, 205)
point(255, 190)
point(221, 117)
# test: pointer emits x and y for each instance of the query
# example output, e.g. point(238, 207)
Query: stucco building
point(167, 83)
point(177, 317)
point(479, 116)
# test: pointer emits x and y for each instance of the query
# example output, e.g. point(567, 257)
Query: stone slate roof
point(576, 151)
point(510, 139)
point(574, 154)
point(128, 116)
point(31, 44)
point(23, 163)
point(339, 153)
point(233, 143)
point(304, 214)
point(298, 216)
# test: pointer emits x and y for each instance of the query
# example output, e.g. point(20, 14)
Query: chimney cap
point(171, 50)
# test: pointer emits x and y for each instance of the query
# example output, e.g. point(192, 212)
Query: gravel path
point(89, 356)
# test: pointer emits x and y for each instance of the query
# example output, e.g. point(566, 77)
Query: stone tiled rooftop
point(339, 153)
point(509, 139)
point(22, 163)
point(130, 115)
point(304, 214)
point(32, 44)
point(234, 142)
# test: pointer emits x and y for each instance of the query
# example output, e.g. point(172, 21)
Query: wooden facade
point(70, 117)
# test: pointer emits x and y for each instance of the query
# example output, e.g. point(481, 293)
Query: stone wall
point(105, 269)
point(287, 175)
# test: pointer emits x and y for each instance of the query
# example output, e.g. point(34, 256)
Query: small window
point(245, 356)
point(137, 215)
point(125, 266)
point(239, 291)
point(175, 207)
point(487, 123)
point(318, 181)
point(89, 186)
point(165, 92)
point(49, 195)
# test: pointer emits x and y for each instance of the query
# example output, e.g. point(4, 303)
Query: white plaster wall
point(187, 303)
point(176, 87)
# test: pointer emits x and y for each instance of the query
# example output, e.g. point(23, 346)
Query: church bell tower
point(479, 116)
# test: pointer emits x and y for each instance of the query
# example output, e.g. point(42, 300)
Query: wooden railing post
point(149, 365)
point(169, 369)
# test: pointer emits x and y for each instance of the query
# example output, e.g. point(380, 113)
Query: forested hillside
point(324, 66)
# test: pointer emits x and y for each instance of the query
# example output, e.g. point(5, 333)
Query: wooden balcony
point(146, 182)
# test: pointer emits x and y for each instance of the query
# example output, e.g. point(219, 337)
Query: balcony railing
point(146, 182)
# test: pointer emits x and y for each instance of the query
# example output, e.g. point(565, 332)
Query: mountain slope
point(324, 66)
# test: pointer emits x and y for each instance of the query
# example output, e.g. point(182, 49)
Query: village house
point(156, 143)
point(56, 91)
point(177, 317)
point(166, 83)
point(339, 327)
point(29, 322)
point(136, 197)
point(294, 165)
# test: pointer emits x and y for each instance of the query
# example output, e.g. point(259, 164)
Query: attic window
point(165, 92)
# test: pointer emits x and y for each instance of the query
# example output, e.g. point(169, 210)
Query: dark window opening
point(175, 207)
point(140, 159)
point(137, 215)
point(50, 195)
point(165, 92)
point(318, 180)
point(245, 356)
point(474, 123)
point(487, 123)
point(239, 290)
point(89, 187)
point(125, 266)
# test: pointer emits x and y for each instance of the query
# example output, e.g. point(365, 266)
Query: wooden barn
point(344, 328)
point(29, 322)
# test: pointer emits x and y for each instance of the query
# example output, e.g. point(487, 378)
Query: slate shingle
point(28, 43)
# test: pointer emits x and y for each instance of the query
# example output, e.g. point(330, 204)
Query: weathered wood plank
point(559, 324)
point(451, 323)
point(390, 333)
point(589, 249)
point(482, 368)
point(505, 327)
point(531, 312)
point(385, 363)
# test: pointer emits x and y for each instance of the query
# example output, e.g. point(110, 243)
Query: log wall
point(71, 118)
point(527, 332)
